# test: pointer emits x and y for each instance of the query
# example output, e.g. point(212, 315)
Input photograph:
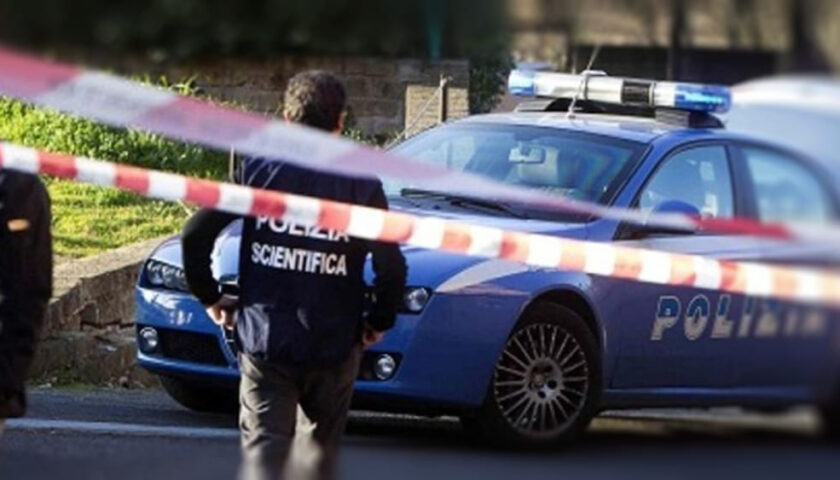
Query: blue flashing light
point(704, 98)
point(521, 83)
point(617, 90)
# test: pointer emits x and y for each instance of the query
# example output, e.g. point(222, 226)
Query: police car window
point(455, 152)
point(572, 164)
point(698, 177)
point(785, 190)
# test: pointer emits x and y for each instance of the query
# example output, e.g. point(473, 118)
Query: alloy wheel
point(541, 381)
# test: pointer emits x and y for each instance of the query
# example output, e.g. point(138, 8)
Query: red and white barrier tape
point(804, 285)
point(125, 103)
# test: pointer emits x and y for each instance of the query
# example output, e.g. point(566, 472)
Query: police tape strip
point(121, 102)
point(603, 259)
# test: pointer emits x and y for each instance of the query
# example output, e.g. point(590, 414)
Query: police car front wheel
point(547, 382)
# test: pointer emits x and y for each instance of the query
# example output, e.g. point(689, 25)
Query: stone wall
point(88, 335)
point(376, 87)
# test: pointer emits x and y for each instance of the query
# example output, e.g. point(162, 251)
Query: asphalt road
point(128, 435)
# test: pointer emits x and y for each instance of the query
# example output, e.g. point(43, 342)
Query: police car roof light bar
point(622, 91)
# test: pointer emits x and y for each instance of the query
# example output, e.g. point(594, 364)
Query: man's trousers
point(269, 396)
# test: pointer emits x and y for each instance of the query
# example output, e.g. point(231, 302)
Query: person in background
point(300, 318)
point(25, 282)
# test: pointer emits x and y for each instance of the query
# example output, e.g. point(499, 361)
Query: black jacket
point(25, 281)
point(302, 292)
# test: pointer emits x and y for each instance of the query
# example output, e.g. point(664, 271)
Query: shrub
point(488, 82)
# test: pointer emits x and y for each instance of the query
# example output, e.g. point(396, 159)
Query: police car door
point(682, 336)
point(791, 343)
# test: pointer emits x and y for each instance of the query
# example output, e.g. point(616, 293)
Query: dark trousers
point(18, 339)
point(269, 395)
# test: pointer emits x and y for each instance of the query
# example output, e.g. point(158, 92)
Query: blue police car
point(529, 355)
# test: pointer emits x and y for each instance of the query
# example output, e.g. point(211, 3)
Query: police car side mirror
point(636, 232)
point(677, 206)
point(671, 207)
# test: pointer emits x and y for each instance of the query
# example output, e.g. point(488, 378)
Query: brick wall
point(422, 106)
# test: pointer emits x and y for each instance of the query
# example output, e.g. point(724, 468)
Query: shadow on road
point(612, 448)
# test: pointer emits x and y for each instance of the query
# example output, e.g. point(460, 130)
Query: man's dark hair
point(315, 98)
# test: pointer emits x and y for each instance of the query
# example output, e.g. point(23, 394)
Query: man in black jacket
point(300, 321)
point(25, 282)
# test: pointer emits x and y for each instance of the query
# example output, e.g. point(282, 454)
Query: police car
point(529, 355)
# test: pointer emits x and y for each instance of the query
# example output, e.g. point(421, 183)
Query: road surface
point(127, 435)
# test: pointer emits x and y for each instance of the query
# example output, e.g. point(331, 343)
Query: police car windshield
point(579, 165)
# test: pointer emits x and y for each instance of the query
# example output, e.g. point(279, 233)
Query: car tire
point(200, 398)
point(546, 385)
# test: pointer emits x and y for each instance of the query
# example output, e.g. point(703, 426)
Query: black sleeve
point(197, 240)
point(37, 208)
point(43, 244)
point(390, 271)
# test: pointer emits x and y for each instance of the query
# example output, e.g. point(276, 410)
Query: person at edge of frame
point(25, 282)
point(301, 318)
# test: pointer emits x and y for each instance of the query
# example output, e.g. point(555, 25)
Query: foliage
point(182, 28)
point(488, 82)
point(88, 219)
point(177, 29)
point(359, 136)
point(49, 130)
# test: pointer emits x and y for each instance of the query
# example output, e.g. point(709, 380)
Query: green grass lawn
point(88, 220)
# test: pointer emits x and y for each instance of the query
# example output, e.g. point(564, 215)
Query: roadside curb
point(803, 421)
point(114, 428)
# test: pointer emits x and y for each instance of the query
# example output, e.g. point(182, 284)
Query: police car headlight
point(415, 299)
point(163, 275)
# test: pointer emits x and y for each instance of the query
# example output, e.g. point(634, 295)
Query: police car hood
point(432, 268)
point(428, 268)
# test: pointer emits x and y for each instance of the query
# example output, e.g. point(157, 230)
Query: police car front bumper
point(189, 344)
point(443, 356)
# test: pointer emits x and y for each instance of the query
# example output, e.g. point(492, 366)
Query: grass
point(88, 220)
